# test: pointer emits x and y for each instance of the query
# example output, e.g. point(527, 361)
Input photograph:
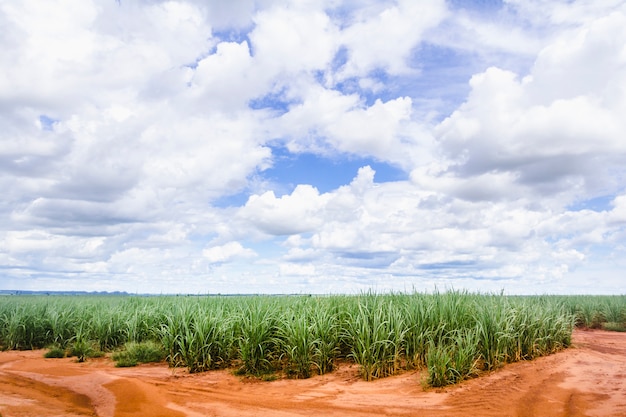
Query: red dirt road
point(586, 380)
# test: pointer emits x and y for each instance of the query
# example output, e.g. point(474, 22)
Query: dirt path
point(587, 380)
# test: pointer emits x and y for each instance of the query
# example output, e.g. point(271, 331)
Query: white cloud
point(210, 155)
point(618, 213)
point(90, 54)
point(227, 252)
point(289, 214)
point(125, 125)
point(289, 40)
point(289, 269)
point(226, 79)
point(327, 118)
point(588, 62)
point(564, 12)
point(558, 129)
point(386, 38)
point(370, 131)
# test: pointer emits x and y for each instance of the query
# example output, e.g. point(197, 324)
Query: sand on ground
point(588, 379)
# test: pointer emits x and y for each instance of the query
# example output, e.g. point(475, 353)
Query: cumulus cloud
point(328, 118)
point(385, 38)
point(227, 252)
point(286, 215)
point(136, 140)
point(558, 128)
point(287, 32)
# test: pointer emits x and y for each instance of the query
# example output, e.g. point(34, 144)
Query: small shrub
point(124, 360)
point(55, 352)
point(440, 366)
point(135, 353)
point(84, 349)
point(453, 362)
point(81, 349)
point(614, 327)
point(269, 377)
point(257, 341)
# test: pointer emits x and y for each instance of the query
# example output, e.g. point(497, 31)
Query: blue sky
point(329, 146)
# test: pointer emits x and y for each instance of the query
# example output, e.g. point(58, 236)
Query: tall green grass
point(451, 336)
point(375, 331)
point(257, 336)
point(596, 312)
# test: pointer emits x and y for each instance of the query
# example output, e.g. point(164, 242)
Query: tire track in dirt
point(585, 380)
point(22, 396)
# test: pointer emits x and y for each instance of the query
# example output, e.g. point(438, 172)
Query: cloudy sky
point(313, 146)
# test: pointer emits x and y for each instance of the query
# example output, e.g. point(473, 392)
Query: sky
point(313, 146)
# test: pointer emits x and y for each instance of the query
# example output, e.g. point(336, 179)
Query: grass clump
point(614, 327)
point(135, 353)
point(55, 352)
point(376, 333)
point(83, 350)
point(257, 341)
point(297, 345)
point(454, 360)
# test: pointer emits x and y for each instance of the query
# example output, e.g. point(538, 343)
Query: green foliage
point(465, 354)
point(593, 311)
point(257, 338)
point(297, 343)
point(55, 352)
point(440, 365)
point(454, 361)
point(325, 331)
point(83, 347)
point(198, 337)
point(376, 333)
point(139, 352)
point(452, 335)
point(614, 327)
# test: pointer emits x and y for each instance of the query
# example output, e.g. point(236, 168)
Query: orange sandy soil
point(588, 379)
